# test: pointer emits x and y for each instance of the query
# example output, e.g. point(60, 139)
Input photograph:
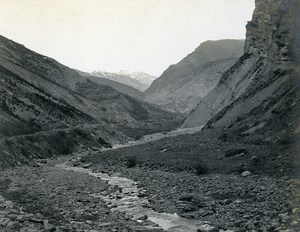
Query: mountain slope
point(137, 80)
point(260, 92)
point(39, 95)
point(122, 88)
point(183, 85)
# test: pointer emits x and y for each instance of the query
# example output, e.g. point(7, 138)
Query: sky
point(113, 35)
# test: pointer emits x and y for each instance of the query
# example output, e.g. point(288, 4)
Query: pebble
point(296, 210)
point(13, 217)
point(145, 217)
point(284, 216)
point(246, 173)
point(13, 226)
point(21, 218)
point(8, 204)
point(4, 222)
point(207, 228)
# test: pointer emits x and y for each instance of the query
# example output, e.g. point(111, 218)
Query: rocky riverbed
point(97, 191)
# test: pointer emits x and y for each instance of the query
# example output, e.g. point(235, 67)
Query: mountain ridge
point(172, 88)
point(138, 80)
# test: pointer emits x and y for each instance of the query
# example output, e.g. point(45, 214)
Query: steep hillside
point(261, 91)
point(122, 88)
point(40, 95)
point(137, 80)
point(184, 84)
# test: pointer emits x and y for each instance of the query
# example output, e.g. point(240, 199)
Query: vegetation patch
point(201, 168)
point(131, 161)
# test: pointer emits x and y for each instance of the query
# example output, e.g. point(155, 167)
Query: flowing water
point(131, 200)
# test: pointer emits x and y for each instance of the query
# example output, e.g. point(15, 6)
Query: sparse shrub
point(104, 143)
point(61, 133)
point(223, 138)
point(286, 141)
point(239, 118)
point(201, 168)
point(81, 133)
point(131, 161)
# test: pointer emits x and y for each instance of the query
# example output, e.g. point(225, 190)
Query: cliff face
point(274, 30)
point(184, 84)
point(263, 85)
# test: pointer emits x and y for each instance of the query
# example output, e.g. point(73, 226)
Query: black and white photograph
point(149, 115)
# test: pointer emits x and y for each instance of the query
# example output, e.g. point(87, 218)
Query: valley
point(211, 145)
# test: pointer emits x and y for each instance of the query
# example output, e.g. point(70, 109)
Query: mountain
point(47, 108)
point(259, 93)
point(142, 77)
point(184, 84)
point(122, 88)
point(137, 80)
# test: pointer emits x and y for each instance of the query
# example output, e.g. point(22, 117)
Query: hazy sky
point(109, 35)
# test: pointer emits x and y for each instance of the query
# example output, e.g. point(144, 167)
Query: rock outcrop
point(184, 84)
point(262, 89)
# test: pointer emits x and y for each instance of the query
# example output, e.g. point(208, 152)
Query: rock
point(14, 226)
point(296, 210)
point(35, 220)
point(143, 218)
point(284, 216)
point(246, 173)
point(21, 218)
point(28, 216)
point(48, 227)
point(207, 228)
point(12, 217)
point(39, 216)
point(141, 194)
point(236, 152)
point(88, 165)
point(13, 211)
point(43, 161)
point(8, 204)
point(4, 222)
point(3, 212)
point(52, 195)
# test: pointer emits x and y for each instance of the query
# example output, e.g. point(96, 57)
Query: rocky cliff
point(261, 90)
point(184, 84)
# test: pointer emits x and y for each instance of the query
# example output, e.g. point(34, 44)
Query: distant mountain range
point(138, 80)
point(183, 85)
point(120, 87)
